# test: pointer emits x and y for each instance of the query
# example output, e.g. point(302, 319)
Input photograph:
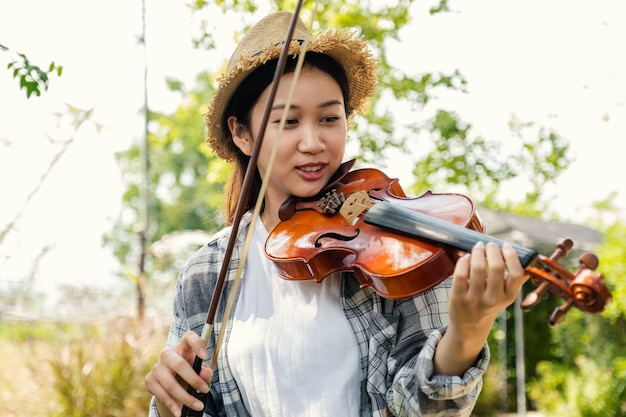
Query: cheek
point(339, 141)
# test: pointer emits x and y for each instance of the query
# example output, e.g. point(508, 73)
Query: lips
point(312, 172)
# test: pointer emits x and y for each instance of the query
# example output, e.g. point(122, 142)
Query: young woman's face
point(313, 141)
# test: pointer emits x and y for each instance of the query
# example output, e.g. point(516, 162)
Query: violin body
point(312, 244)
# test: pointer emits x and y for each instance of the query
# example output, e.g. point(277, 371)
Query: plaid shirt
point(396, 340)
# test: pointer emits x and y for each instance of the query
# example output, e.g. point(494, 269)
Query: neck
point(269, 216)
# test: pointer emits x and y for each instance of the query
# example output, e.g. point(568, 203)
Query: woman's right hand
point(169, 378)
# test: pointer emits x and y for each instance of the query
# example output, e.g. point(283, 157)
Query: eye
point(330, 119)
point(291, 119)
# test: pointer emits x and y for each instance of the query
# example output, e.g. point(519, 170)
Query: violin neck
point(435, 230)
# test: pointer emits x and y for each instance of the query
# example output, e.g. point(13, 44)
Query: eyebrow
point(329, 103)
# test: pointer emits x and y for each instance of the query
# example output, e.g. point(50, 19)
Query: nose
point(311, 141)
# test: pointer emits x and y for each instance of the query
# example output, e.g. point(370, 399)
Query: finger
point(516, 276)
point(478, 267)
point(495, 273)
point(192, 345)
point(460, 280)
point(163, 396)
point(185, 372)
point(163, 384)
point(173, 390)
point(176, 396)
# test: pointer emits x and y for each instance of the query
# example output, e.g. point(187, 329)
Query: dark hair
point(245, 98)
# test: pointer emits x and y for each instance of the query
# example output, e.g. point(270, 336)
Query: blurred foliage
point(612, 255)
point(32, 78)
point(21, 332)
point(185, 180)
point(482, 168)
point(78, 369)
point(588, 389)
point(489, 402)
point(586, 376)
point(102, 374)
point(538, 342)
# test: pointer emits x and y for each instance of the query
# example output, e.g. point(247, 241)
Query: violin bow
point(207, 328)
point(265, 181)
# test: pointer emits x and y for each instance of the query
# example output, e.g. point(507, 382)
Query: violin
point(363, 222)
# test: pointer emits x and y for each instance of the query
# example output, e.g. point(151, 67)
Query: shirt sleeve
point(414, 389)
point(417, 391)
point(441, 387)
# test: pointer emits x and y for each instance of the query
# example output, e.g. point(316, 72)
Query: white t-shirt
point(292, 351)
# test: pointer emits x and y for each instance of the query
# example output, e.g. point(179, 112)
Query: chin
point(308, 192)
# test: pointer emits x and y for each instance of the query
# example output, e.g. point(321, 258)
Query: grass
point(20, 394)
point(76, 370)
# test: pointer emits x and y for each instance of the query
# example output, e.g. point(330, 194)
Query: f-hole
point(336, 236)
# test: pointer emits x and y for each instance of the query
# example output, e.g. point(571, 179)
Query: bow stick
point(207, 329)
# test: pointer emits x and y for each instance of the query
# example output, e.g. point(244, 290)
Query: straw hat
point(264, 42)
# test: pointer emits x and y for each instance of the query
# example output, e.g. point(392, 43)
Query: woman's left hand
point(485, 282)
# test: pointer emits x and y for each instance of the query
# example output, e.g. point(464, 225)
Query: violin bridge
point(355, 205)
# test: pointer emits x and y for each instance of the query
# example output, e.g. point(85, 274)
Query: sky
point(557, 63)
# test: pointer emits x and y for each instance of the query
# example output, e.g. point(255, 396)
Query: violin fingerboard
point(435, 230)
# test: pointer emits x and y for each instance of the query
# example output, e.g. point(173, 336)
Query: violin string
point(259, 202)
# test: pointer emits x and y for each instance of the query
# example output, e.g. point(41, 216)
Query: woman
point(333, 348)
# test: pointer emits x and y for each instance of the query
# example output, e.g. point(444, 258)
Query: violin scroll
point(583, 289)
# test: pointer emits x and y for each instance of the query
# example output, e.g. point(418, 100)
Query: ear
point(241, 135)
